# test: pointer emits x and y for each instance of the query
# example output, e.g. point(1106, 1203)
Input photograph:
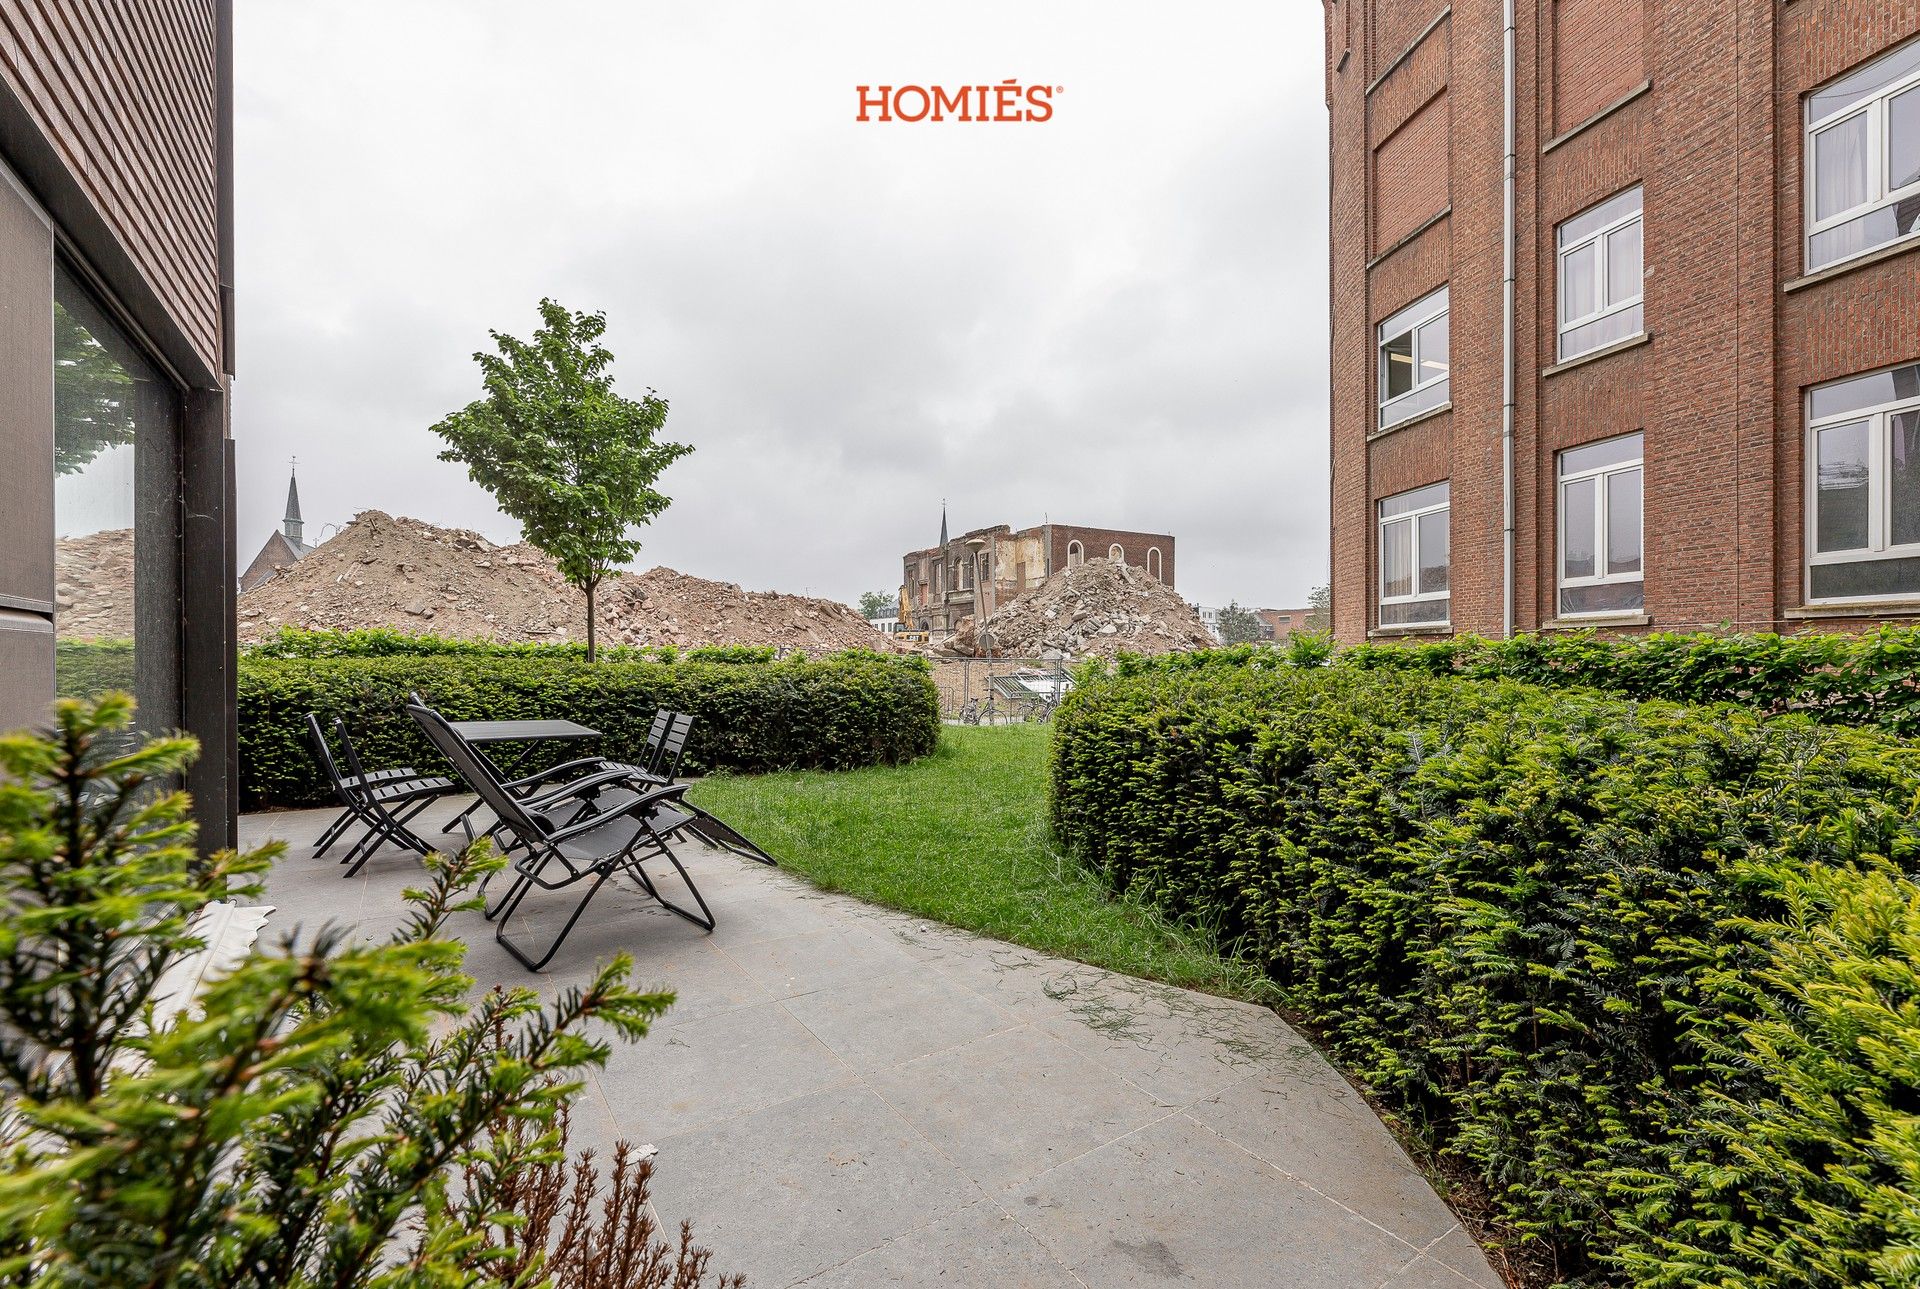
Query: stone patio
point(846, 1096)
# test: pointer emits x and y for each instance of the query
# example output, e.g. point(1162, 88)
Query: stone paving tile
point(790, 1190)
point(978, 1246)
point(848, 1096)
point(1177, 1202)
point(1008, 1107)
point(898, 1017)
point(689, 1076)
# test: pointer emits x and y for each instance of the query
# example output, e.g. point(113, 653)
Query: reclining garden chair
point(545, 782)
point(553, 853)
point(384, 802)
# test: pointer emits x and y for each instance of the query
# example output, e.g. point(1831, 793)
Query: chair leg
point(332, 834)
point(703, 919)
point(500, 929)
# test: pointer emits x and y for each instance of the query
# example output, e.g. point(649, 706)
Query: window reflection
point(115, 513)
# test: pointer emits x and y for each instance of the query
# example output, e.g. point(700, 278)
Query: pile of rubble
point(93, 585)
point(1098, 608)
point(388, 571)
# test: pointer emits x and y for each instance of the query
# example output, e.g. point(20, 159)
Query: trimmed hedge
point(1865, 679)
point(847, 710)
point(1648, 970)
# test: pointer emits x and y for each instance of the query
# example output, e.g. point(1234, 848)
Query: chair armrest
point(643, 804)
point(555, 772)
point(580, 787)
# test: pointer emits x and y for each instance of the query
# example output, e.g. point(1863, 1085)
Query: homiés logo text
point(1007, 101)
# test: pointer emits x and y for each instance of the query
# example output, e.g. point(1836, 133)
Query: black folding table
point(527, 734)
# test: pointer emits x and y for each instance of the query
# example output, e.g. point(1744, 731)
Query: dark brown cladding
point(126, 95)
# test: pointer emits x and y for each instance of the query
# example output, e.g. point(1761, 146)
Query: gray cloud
point(1118, 317)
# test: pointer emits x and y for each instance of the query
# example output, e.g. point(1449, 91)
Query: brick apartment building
point(978, 571)
point(1714, 409)
point(116, 348)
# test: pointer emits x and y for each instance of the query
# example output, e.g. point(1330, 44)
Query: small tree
point(1241, 626)
point(1320, 608)
point(877, 604)
point(562, 453)
point(302, 1126)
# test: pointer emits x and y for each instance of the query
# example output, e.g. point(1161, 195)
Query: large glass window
point(1862, 159)
point(1863, 494)
point(1600, 276)
point(116, 513)
point(1415, 559)
point(1414, 373)
point(1601, 541)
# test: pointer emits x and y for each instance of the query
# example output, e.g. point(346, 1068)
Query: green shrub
point(1866, 679)
point(385, 642)
point(851, 709)
point(1558, 930)
point(84, 668)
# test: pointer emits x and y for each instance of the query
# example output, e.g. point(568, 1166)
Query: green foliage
point(1585, 945)
point(299, 1125)
point(1864, 679)
point(562, 453)
point(84, 668)
point(1240, 625)
point(850, 709)
point(92, 396)
point(877, 604)
point(385, 642)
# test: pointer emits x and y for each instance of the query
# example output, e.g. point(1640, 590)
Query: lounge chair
point(546, 782)
point(553, 855)
point(384, 805)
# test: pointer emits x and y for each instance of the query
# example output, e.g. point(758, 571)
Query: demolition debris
point(1096, 609)
point(390, 571)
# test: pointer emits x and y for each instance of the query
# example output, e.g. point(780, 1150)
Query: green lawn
point(961, 837)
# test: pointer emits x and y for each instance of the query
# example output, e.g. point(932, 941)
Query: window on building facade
point(1862, 159)
point(1153, 563)
point(1600, 274)
point(1600, 527)
point(1414, 372)
point(1415, 559)
point(1863, 453)
point(1117, 555)
point(1076, 554)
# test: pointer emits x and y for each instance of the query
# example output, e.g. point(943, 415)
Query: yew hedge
point(1648, 970)
point(844, 711)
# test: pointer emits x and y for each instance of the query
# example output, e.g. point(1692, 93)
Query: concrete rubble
point(390, 571)
point(93, 585)
point(1096, 609)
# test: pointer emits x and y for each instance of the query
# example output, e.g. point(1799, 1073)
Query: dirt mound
point(661, 606)
point(1096, 609)
point(388, 571)
point(93, 585)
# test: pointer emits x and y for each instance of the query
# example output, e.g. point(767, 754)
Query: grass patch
point(961, 837)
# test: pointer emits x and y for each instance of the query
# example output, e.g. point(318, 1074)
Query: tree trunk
point(592, 586)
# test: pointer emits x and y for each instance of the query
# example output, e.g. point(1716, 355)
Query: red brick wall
point(1097, 541)
point(1597, 56)
point(1410, 174)
point(1717, 389)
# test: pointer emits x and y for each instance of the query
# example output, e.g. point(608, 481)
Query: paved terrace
point(846, 1096)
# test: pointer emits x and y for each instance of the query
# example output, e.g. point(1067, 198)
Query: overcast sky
point(1114, 318)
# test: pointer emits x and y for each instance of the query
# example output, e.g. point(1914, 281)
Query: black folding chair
point(545, 782)
point(384, 806)
point(555, 855)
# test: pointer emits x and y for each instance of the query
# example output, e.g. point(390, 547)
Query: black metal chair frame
point(385, 805)
point(543, 860)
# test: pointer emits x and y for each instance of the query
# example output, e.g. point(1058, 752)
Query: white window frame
point(1076, 554)
point(1429, 308)
point(1602, 577)
point(1879, 419)
point(1154, 564)
point(1875, 104)
point(1412, 519)
point(1598, 240)
point(1115, 555)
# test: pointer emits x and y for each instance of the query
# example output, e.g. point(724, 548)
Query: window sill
point(1595, 355)
point(1415, 419)
point(1855, 609)
point(1597, 117)
point(1585, 620)
point(1412, 629)
point(1443, 213)
point(1879, 254)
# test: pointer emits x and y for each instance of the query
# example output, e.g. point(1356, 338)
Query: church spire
point(292, 525)
point(943, 523)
